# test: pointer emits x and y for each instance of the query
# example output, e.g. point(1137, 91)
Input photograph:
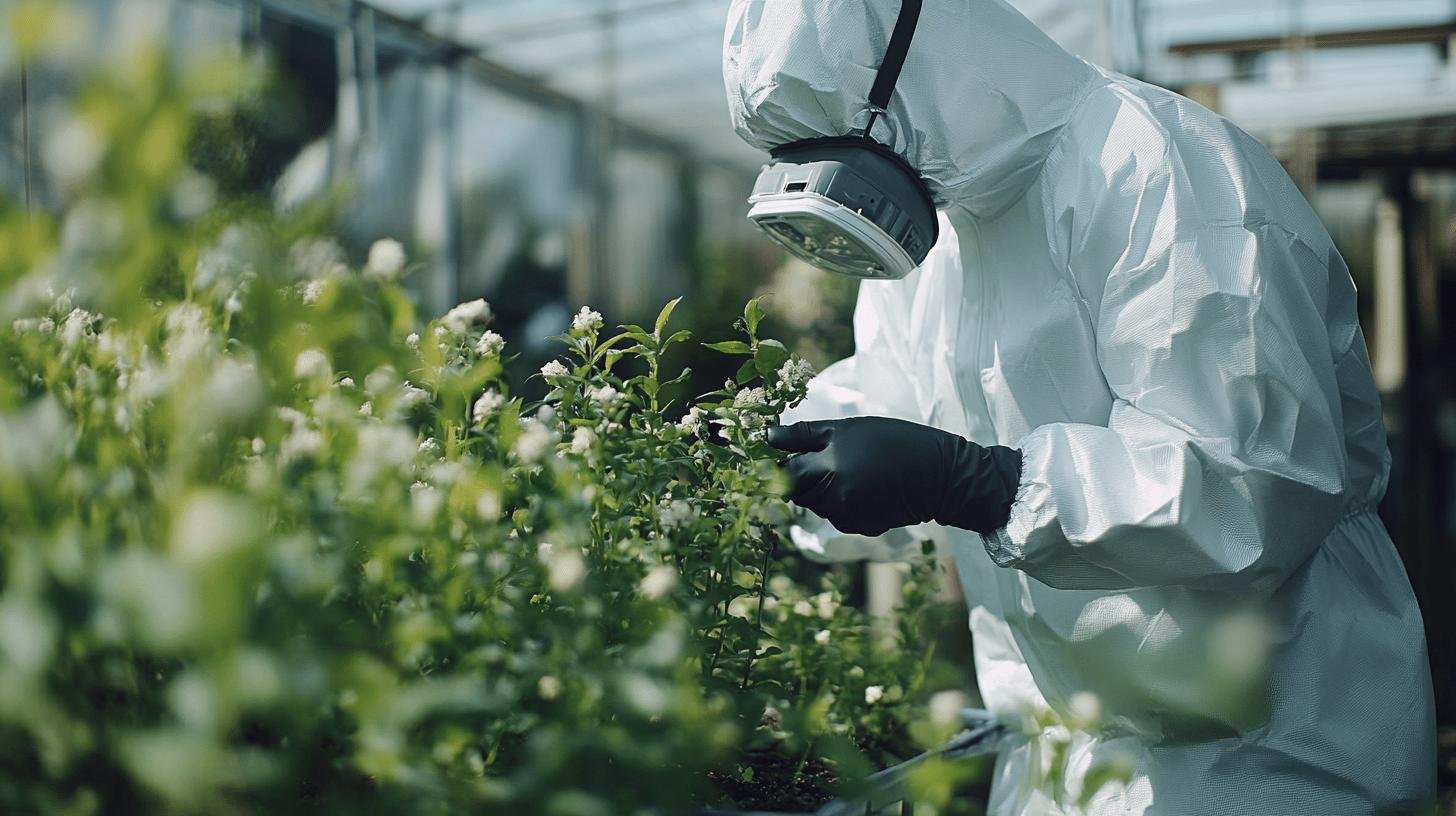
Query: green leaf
point(730, 347)
point(677, 337)
point(747, 373)
point(752, 316)
point(665, 314)
point(769, 357)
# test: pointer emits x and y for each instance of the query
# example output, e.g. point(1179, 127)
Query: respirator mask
point(849, 204)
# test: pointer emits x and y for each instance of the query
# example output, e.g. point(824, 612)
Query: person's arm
point(1222, 464)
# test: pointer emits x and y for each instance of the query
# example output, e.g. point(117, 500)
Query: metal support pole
point(1429, 562)
point(604, 142)
point(454, 187)
point(1304, 148)
point(368, 72)
point(25, 135)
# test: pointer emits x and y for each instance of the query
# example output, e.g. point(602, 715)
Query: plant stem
point(758, 622)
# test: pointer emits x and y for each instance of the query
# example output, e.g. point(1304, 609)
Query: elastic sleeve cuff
point(1007, 545)
point(1032, 540)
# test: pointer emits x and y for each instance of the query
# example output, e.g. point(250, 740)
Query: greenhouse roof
point(652, 63)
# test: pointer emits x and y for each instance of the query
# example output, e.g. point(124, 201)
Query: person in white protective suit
point(1126, 390)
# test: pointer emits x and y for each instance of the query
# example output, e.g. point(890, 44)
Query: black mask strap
point(895, 54)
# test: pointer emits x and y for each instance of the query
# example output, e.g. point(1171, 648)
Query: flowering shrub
point(271, 540)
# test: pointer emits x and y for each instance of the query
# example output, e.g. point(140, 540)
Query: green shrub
point(271, 542)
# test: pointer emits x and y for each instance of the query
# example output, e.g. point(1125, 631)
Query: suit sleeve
point(1222, 463)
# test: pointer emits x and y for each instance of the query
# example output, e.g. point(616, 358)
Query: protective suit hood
point(982, 98)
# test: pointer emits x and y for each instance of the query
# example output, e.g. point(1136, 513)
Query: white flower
point(606, 395)
point(46, 326)
point(795, 374)
point(750, 398)
point(300, 443)
point(430, 447)
point(825, 604)
point(347, 382)
point(230, 260)
point(316, 258)
point(72, 152)
point(676, 513)
point(692, 422)
point(425, 503)
point(586, 320)
point(232, 391)
point(873, 693)
point(380, 380)
point(187, 333)
point(412, 397)
point(461, 318)
point(259, 446)
point(548, 687)
point(803, 609)
point(234, 304)
point(488, 506)
point(565, 569)
point(945, 708)
point(486, 405)
point(386, 260)
point(490, 344)
point(658, 582)
point(76, 327)
point(554, 369)
point(380, 449)
point(413, 340)
point(312, 364)
point(821, 637)
point(367, 409)
point(533, 443)
point(856, 672)
point(193, 195)
point(582, 440)
point(313, 290)
point(386, 445)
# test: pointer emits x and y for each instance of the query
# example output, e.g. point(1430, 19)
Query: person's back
point(1349, 706)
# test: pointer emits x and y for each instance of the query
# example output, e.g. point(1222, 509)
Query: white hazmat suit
point(1131, 291)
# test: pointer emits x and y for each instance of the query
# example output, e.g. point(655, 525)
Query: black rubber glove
point(869, 475)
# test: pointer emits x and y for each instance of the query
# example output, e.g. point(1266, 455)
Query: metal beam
point(582, 21)
point(1438, 34)
point(402, 34)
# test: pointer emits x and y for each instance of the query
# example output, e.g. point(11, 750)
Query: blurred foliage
point(272, 542)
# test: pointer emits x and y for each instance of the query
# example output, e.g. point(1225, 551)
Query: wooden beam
point(1439, 34)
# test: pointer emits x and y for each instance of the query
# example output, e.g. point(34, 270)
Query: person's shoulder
point(1120, 122)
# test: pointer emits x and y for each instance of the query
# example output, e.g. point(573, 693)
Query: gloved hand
point(869, 475)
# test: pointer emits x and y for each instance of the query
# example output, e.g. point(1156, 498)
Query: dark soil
point(767, 782)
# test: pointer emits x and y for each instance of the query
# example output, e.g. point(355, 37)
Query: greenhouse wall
point(507, 188)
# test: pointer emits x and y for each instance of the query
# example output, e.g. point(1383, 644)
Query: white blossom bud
point(386, 261)
point(586, 320)
point(312, 364)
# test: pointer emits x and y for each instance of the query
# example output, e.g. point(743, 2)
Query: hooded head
point(980, 101)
